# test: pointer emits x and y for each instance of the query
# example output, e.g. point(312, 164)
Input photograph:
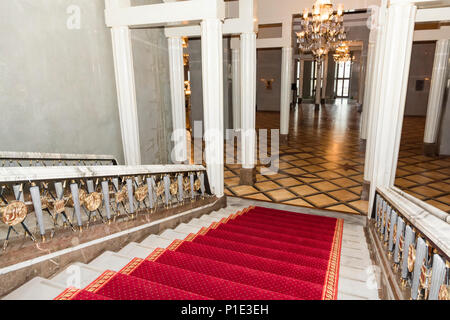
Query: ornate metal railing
point(55, 198)
point(416, 243)
point(37, 159)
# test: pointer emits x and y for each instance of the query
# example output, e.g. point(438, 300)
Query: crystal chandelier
point(322, 29)
point(343, 53)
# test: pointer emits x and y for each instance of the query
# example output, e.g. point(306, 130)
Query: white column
point(301, 78)
point(248, 99)
point(236, 88)
point(318, 81)
point(286, 69)
point(176, 66)
point(374, 96)
point(212, 79)
point(369, 83)
point(436, 96)
point(325, 76)
point(394, 79)
point(126, 94)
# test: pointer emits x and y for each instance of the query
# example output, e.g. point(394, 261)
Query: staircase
point(81, 275)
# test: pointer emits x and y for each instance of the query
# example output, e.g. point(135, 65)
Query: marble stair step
point(219, 216)
point(156, 241)
point(209, 219)
point(172, 235)
point(346, 296)
point(183, 227)
point(199, 223)
point(357, 288)
point(77, 275)
point(37, 289)
point(136, 250)
point(109, 260)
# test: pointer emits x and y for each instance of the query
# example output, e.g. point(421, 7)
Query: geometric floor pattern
point(322, 166)
point(426, 178)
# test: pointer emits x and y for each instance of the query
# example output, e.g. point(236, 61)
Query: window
point(342, 79)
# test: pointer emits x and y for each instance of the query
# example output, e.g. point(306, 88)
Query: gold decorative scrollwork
point(81, 197)
point(424, 279)
point(14, 213)
point(93, 201)
point(159, 189)
point(444, 292)
point(45, 203)
point(411, 257)
point(174, 188)
point(141, 193)
point(59, 206)
point(197, 185)
point(121, 195)
point(186, 184)
point(395, 233)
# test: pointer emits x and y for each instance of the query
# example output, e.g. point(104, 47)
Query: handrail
point(72, 196)
point(417, 242)
point(26, 159)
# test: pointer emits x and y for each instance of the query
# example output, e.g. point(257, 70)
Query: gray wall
point(421, 67)
point(57, 86)
point(268, 66)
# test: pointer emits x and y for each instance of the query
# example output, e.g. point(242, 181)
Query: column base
point(283, 139)
point(248, 176)
point(365, 190)
point(362, 145)
point(317, 106)
point(430, 149)
point(360, 106)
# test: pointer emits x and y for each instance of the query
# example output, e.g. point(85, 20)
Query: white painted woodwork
point(374, 90)
point(11, 174)
point(212, 79)
point(164, 13)
point(126, 94)
point(248, 99)
point(396, 61)
point(246, 22)
point(176, 66)
point(369, 83)
point(318, 81)
point(436, 96)
point(236, 89)
point(286, 69)
point(325, 76)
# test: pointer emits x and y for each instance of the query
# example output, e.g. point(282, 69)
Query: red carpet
point(256, 254)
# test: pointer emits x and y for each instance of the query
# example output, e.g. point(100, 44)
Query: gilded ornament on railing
point(444, 292)
point(14, 213)
point(159, 189)
point(45, 203)
point(424, 280)
point(395, 232)
point(141, 193)
point(411, 257)
point(121, 195)
point(174, 188)
point(93, 201)
point(197, 185)
point(59, 206)
point(81, 197)
point(186, 184)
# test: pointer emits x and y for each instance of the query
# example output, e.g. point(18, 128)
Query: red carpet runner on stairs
point(256, 254)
